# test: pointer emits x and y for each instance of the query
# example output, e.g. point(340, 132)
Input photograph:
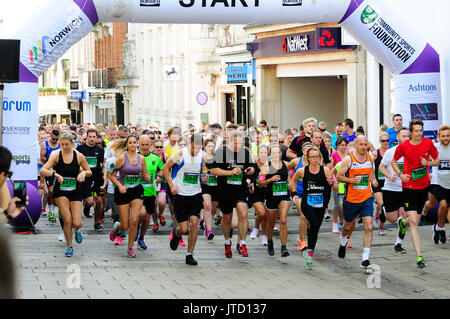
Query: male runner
point(415, 180)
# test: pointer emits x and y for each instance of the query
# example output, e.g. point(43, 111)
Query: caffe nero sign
point(319, 40)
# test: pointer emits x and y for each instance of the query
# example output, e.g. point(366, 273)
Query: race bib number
point(400, 167)
point(363, 184)
point(235, 179)
point(279, 188)
point(418, 173)
point(380, 176)
point(131, 181)
point(148, 184)
point(212, 181)
point(444, 166)
point(92, 161)
point(191, 178)
point(69, 184)
point(315, 200)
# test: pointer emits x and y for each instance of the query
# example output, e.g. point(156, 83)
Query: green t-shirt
point(154, 165)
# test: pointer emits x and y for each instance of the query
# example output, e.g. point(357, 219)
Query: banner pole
point(2, 87)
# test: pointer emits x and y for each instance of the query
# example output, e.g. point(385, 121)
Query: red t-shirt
point(420, 177)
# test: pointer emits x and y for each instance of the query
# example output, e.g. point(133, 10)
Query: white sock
point(365, 255)
point(344, 241)
point(243, 243)
point(398, 241)
point(187, 254)
point(228, 242)
point(439, 228)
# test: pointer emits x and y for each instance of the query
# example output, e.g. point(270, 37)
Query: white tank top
point(186, 175)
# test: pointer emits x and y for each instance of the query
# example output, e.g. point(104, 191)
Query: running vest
point(378, 174)
point(171, 150)
point(316, 192)
point(69, 172)
point(129, 174)
point(279, 188)
point(358, 193)
point(49, 149)
point(299, 181)
point(154, 165)
point(186, 175)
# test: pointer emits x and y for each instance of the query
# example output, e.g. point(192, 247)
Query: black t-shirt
point(283, 153)
point(228, 160)
point(297, 144)
point(95, 157)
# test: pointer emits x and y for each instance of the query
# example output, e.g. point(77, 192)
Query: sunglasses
point(9, 174)
point(384, 141)
point(158, 146)
point(152, 138)
point(55, 139)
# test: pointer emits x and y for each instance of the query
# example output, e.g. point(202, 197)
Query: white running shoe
point(263, 240)
point(61, 236)
point(381, 231)
point(335, 229)
point(254, 233)
point(275, 228)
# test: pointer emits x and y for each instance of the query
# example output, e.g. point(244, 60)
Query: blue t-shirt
point(348, 137)
point(392, 137)
point(334, 139)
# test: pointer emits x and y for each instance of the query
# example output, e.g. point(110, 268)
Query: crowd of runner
point(214, 175)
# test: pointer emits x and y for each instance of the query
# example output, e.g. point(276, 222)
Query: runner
point(95, 156)
point(392, 207)
point(336, 158)
point(129, 192)
point(415, 180)
point(50, 145)
point(274, 176)
point(377, 192)
point(68, 194)
point(295, 148)
point(154, 168)
point(230, 164)
point(397, 120)
point(440, 184)
point(187, 165)
point(256, 199)
point(162, 195)
point(357, 171)
point(209, 190)
point(318, 181)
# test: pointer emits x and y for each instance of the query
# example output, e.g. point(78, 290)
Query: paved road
point(106, 272)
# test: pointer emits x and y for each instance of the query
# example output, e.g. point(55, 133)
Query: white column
point(373, 99)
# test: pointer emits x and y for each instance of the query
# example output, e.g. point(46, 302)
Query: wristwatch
point(7, 215)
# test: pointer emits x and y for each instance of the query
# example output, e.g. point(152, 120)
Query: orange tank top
point(358, 193)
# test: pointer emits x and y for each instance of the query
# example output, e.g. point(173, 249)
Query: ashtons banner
point(20, 107)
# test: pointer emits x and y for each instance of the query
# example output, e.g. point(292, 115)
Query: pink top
point(336, 158)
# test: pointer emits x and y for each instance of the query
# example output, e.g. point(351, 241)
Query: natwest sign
point(319, 40)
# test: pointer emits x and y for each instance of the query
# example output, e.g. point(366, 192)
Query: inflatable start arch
point(48, 28)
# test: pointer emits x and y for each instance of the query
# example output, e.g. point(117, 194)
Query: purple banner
point(427, 62)
point(25, 75)
point(354, 4)
point(88, 7)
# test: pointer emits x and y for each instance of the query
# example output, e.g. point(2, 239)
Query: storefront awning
point(53, 104)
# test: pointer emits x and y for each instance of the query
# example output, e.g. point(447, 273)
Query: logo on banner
point(422, 88)
point(212, 4)
point(150, 3)
point(295, 44)
point(42, 46)
point(326, 39)
point(16, 130)
point(22, 159)
point(289, 3)
point(368, 15)
point(20, 106)
point(424, 112)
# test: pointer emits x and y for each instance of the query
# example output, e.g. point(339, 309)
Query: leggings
point(315, 218)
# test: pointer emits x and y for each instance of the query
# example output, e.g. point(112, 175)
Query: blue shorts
point(352, 210)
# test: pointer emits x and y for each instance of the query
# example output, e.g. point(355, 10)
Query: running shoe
point(98, 227)
point(340, 225)
point(422, 219)
point(401, 228)
point(435, 235)
point(155, 227)
point(399, 249)
point(270, 249)
point(366, 266)
point(254, 233)
point(174, 241)
point(349, 244)
point(171, 223)
point(209, 234)
point(78, 236)
point(202, 224)
point(43, 212)
point(69, 252)
point(381, 231)
point(51, 217)
point(308, 262)
point(442, 237)
point(302, 245)
point(131, 253)
point(182, 243)
point(421, 262)
point(61, 236)
point(382, 214)
point(218, 220)
point(243, 251)
point(118, 240)
point(335, 228)
point(162, 220)
point(114, 230)
point(101, 220)
point(141, 244)
point(87, 211)
point(341, 251)
point(263, 240)
point(284, 252)
point(327, 216)
point(190, 260)
point(228, 251)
